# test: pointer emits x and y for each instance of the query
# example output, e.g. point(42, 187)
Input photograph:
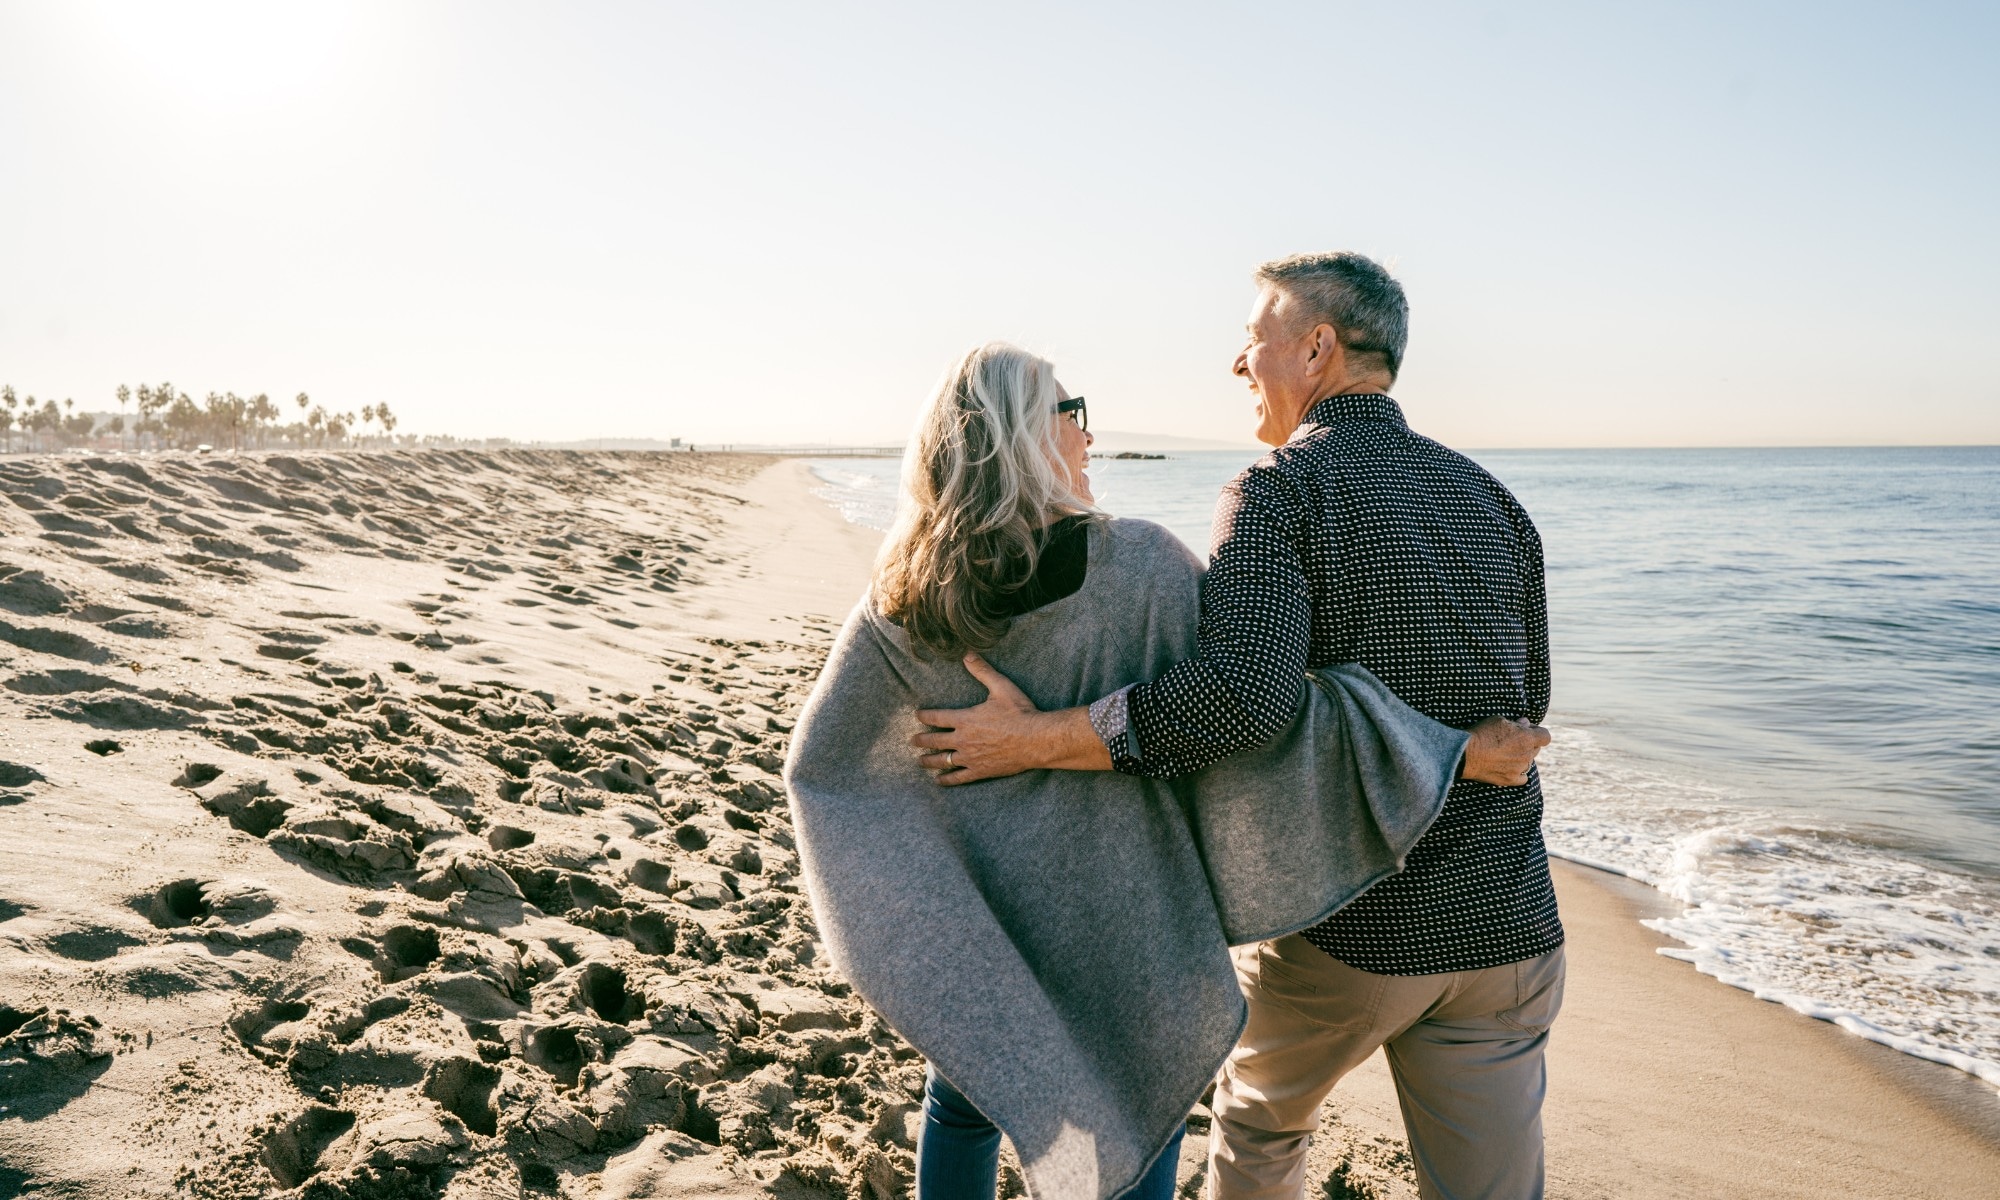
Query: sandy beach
point(409, 825)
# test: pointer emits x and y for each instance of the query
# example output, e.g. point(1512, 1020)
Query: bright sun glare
point(223, 52)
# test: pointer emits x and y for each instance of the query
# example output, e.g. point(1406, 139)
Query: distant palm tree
point(154, 400)
point(182, 418)
point(235, 411)
point(263, 414)
point(44, 421)
point(9, 400)
point(387, 420)
point(78, 426)
point(124, 398)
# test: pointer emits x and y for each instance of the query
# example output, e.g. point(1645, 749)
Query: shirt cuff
point(1111, 718)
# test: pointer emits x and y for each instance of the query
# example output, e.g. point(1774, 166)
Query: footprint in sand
point(48, 1056)
point(206, 903)
point(98, 614)
point(273, 1027)
point(247, 804)
point(139, 627)
point(14, 779)
point(653, 876)
point(118, 710)
point(289, 644)
point(602, 990)
point(93, 943)
point(140, 572)
point(655, 932)
point(291, 1152)
point(65, 529)
point(464, 1087)
point(405, 951)
point(347, 844)
point(509, 837)
point(179, 903)
point(58, 642)
point(30, 593)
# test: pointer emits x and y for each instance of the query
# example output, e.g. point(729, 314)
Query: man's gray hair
point(1350, 292)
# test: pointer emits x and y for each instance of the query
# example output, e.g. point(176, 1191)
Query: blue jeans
point(958, 1151)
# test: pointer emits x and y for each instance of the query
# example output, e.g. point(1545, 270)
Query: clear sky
point(1619, 224)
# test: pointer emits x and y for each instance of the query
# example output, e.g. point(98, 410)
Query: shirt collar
point(1365, 406)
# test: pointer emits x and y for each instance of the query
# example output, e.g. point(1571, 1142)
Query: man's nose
point(1242, 365)
point(1089, 439)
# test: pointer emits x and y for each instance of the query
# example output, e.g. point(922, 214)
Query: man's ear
point(1328, 355)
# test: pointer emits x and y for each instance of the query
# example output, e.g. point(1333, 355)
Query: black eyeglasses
point(1075, 405)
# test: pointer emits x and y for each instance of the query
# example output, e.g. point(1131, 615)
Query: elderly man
point(1355, 540)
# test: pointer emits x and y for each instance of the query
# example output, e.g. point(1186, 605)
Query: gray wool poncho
point(1056, 943)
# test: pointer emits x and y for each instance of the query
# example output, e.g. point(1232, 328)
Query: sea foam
point(1821, 920)
point(863, 490)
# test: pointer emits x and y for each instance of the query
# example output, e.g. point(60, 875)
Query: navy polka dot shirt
point(1360, 541)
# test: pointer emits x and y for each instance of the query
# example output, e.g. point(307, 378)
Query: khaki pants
point(1465, 1047)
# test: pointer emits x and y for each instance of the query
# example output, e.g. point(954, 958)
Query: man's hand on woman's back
point(1005, 735)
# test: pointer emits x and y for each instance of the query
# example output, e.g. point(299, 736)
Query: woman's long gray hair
point(979, 480)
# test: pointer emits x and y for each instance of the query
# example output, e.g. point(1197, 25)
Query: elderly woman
point(1057, 943)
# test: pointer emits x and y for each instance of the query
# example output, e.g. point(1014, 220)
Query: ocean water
point(1777, 700)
